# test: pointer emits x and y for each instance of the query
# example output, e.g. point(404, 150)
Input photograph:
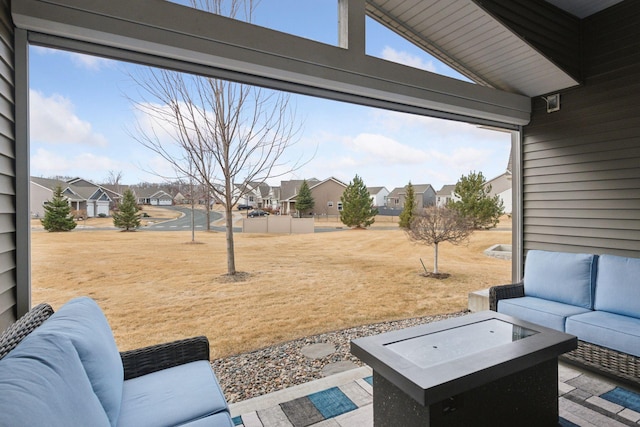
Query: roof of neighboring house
point(446, 190)
point(76, 189)
point(48, 183)
point(152, 193)
point(417, 189)
point(375, 190)
point(289, 189)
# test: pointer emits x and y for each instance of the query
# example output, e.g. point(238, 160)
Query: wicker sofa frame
point(611, 363)
point(136, 363)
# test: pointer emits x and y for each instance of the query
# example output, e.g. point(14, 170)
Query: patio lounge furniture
point(590, 296)
point(63, 369)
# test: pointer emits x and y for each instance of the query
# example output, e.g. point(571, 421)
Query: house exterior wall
point(37, 196)
point(428, 198)
point(8, 190)
point(380, 197)
point(581, 165)
point(442, 200)
point(501, 186)
point(323, 194)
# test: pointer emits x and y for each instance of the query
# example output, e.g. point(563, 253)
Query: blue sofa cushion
point(610, 330)
point(155, 399)
point(43, 383)
point(543, 312)
point(618, 285)
point(559, 276)
point(84, 324)
point(221, 419)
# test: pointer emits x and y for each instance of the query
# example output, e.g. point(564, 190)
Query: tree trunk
point(435, 258)
point(208, 201)
point(193, 220)
point(231, 258)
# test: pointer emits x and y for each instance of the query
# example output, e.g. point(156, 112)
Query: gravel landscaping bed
point(263, 371)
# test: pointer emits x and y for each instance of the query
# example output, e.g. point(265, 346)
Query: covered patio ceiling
point(496, 43)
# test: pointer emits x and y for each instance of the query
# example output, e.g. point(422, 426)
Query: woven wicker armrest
point(162, 356)
point(496, 293)
point(23, 327)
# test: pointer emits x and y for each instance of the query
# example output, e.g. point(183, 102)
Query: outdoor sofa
point(63, 369)
point(594, 297)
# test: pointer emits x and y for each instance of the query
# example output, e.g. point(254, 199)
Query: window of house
point(340, 206)
point(330, 204)
point(251, 198)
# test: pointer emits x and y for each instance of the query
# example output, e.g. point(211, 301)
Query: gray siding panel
point(581, 165)
point(7, 171)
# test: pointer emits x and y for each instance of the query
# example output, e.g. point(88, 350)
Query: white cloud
point(391, 54)
point(87, 62)
point(386, 150)
point(53, 121)
point(47, 163)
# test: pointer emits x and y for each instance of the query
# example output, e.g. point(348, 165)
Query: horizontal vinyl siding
point(7, 172)
point(581, 165)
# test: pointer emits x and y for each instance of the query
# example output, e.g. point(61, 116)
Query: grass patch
point(154, 288)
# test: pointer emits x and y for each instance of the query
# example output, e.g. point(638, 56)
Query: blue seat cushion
point(172, 396)
point(551, 314)
point(610, 330)
point(43, 383)
point(559, 276)
point(221, 419)
point(618, 285)
point(83, 323)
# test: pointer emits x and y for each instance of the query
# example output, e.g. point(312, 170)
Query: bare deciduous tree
point(433, 225)
point(227, 136)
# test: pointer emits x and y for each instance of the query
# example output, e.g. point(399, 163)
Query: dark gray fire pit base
point(526, 398)
point(483, 369)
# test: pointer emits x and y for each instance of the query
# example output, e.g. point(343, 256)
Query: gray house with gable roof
point(85, 198)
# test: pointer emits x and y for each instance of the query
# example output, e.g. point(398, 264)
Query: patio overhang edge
point(238, 51)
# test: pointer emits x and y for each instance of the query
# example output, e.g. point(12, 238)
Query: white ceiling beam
point(184, 35)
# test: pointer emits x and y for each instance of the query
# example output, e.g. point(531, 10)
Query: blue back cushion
point(618, 285)
point(43, 383)
point(83, 323)
point(560, 276)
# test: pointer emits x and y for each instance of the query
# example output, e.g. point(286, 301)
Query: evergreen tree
point(57, 213)
point(475, 203)
point(304, 199)
point(357, 208)
point(127, 216)
point(408, 211)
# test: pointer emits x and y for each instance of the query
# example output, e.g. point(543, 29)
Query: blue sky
point(80, 115)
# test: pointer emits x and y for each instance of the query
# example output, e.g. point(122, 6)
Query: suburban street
point(184, 221)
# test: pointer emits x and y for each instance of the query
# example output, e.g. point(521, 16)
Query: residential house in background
point(425, 196)
point(256, 194)
point(445, 195)
point(153, 196)
point(378, 195)
point(289, 189)
point(87, 199)
point(326, 195)
point(501, 186)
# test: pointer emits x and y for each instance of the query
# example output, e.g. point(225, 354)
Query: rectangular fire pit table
point(484, 368)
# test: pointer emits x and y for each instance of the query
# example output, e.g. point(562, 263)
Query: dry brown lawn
point(157, 286)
